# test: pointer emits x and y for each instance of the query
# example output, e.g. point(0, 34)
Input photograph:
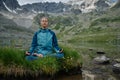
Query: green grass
point(12, 61)
point(105, 20)
point(107, 39)
point(11, 56)
point(71, 58)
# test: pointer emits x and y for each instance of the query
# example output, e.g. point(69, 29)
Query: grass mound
point(12, 62)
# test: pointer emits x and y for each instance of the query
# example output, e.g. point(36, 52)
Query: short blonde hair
point(44, 18)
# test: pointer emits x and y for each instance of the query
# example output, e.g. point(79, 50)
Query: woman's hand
point(61, 50)
point(27, 53)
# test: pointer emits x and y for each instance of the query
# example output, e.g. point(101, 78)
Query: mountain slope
point(2, 7)
point(9, 25)
point(9, 5)
point(6, 22)
point(117, 4)
point(13, 35)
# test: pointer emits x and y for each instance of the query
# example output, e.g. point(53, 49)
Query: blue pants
point(57, 55)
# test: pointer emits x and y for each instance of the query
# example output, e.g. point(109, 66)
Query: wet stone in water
point(101, 59)
point(116, 68)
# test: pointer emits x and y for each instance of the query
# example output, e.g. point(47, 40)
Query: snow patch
point(12, 11)
point(111, 4)
point(19, 9)
point(34, 11)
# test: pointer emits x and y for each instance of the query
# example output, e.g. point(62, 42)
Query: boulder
point(116, 68)
point(88, 75)
point(102, 59)
point(117, 60)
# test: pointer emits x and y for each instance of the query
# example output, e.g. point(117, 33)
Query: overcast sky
point(21, 2)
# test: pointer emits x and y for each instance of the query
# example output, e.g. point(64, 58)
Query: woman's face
point(44, 22)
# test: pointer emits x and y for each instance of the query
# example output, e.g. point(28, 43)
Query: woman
point(43, 43)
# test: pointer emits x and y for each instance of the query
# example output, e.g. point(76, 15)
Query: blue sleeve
point(34, 43)
point(55, 43)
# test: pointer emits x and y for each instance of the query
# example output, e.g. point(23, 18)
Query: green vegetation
point(105, 20)
point(12, 62)
point(71, 58)
point(99, 37)
point(106, 40)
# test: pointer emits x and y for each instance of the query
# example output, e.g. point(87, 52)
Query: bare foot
point(35, 54)
point(39, 55)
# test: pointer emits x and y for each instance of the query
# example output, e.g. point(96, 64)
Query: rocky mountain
point(51, 7)
point(75, 6)
point(4, 20)
point(13, 34)
point(23, 15)
point(90, 5)
point(117, 5)
point(7, 24)
point(9, 5)
point(14, 14)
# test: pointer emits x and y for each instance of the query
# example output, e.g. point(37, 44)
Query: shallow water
point(72, 77)
point(59, 77)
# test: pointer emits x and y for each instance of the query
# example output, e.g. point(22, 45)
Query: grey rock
point(116, 68)
point(101, 59)
point(117, 60)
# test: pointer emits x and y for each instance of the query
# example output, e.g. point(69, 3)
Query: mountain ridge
point(83, 6)
point(91, 5)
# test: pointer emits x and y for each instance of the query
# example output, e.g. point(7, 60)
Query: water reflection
point(72, 77)
point(59, 77)
point(102, 46)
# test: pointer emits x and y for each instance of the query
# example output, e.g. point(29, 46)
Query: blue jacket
point(44, 41)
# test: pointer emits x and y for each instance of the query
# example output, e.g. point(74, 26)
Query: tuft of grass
point(12, 61)
point(11, 56)
point(49, 65)
point(71, 59)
